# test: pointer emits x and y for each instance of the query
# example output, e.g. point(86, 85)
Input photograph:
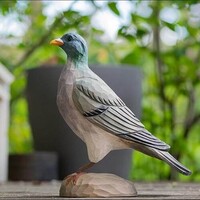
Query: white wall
point(3, 139)
point(5, 80)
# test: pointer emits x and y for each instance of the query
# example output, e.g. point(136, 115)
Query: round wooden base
point(97, 185)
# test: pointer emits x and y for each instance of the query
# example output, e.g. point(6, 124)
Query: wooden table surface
point(146, 191)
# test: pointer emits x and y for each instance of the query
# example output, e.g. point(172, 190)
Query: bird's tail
point(169, 159)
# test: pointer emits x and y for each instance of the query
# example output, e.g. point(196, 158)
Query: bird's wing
point(100, 105)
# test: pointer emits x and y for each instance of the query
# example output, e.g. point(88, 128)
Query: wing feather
point(100, 105)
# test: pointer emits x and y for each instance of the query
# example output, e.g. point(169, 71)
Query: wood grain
point(146, 191)
point(97, 185)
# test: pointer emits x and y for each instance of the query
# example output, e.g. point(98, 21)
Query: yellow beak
point(57, 42)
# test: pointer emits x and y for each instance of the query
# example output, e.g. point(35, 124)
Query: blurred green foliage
point(171, 72)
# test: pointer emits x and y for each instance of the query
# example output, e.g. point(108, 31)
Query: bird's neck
point(78, 63)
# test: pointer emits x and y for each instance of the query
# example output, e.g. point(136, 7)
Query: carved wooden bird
point(97, 115)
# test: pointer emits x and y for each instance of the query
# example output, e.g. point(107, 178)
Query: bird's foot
point(72, 178)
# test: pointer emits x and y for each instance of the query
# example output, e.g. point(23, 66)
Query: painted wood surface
point(96, 185)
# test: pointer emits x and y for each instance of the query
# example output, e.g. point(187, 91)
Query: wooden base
point(97, 185)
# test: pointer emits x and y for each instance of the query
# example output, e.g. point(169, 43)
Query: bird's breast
point(66, 106)
point(98, 141)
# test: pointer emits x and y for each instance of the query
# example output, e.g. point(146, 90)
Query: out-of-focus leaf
point(184, 4)
point(7, 6)
point(113, 7)
point(171, 26)
point(129, 59)
point(137, 19)
point(123, 32)
point(134, 57)
point(141, 32)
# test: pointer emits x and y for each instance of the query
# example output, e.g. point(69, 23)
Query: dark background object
point(51, 133)
point(40, 166)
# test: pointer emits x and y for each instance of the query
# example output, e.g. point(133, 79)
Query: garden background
point(162, 38)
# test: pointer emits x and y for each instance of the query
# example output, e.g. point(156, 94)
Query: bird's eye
point(69, 38)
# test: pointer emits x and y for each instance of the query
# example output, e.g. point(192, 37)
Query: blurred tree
point(161, 36)
point(31, 50)
point(171, 86)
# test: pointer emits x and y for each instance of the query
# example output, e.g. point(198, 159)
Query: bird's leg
point(74, 177)
point(85, 167)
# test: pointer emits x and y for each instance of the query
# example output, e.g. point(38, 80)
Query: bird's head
point(74, 46)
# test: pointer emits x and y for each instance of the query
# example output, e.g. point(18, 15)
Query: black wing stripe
point(110, 103)
point(147, 139)
point(123, 129)
point(148, 133)
point(145, 136)
point(120, 129)
point(131, 121)
point(170, 159)
point(120, 102)
point(109, 126)
point(137, 140)
point(80, 87)
point(84, 90)
point(96, 112)
point(121, 117)
point(99, 100)
point(143, 132)
point(139, 134)
point(127, 113)
point(85, 114)
point(91, 95)
point(105, 102)
point(148, 142)
point(138, 137)
point(135, 136)
point(116, 103)
point(133, 132)
point(116, 123)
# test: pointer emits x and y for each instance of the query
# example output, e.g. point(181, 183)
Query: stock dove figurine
point(97, 115)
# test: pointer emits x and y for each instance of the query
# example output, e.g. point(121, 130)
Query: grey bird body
point(97, 115)
point(99, 142)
